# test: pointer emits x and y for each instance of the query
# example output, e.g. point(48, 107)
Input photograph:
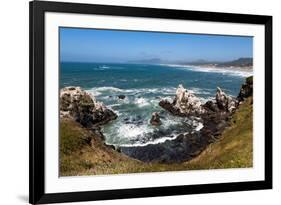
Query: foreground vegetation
point(84, 153)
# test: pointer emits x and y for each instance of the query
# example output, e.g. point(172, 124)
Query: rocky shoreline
point(83, 108)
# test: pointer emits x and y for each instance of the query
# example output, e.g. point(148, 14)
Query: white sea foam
point(105, 67)
point(114, 105)
point(94, 92)
point(133, 135)
point(132, 131)
point(141, 102)
point(199, 91)
point(169, 99)
point(169, 122)
point(225, 71)
point(97, 91)
point(168, 90)
point(112, 89)
point(205, 99)
point(156, 141)
point(199, 127)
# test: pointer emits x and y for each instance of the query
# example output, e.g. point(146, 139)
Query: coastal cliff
point(224, 141)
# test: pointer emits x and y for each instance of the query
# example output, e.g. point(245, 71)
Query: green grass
point(83, 153)
point(235, 148)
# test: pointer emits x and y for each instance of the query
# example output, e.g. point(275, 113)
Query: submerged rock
point(122, 97)
point(185, 103)
point(82, 107)
point(155, 119)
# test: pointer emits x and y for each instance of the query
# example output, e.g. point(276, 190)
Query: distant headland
point(243, 62)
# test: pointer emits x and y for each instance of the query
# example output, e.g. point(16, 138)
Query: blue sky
point(91, 45)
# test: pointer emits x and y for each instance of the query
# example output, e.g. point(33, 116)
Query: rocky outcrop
point(185, 103)
point(155, 119)
point(211, 106)
point(225, 102)
point(83, 108)
point(246, 89)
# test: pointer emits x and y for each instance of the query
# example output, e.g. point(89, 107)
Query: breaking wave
point(97, 91)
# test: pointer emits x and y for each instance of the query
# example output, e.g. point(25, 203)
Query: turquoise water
point(144, 86)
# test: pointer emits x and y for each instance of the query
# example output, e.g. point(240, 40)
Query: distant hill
point(240, 62)
point(148, 61)
point(201, 62)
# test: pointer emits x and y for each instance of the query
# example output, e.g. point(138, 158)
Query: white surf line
point(157, 141)
point(224, 70)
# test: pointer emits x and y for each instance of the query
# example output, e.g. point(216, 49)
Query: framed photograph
point(141, 102)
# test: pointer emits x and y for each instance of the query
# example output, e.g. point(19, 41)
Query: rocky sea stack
point(187, 104)
point(155, 119)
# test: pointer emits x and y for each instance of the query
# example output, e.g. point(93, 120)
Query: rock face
point(211, 106)
point(225, 102)
point(246, 89)
point(155, 119)
point(185, 103)
point(82, 107)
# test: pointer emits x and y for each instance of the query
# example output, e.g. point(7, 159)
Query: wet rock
point(211, 106)
point(82, 107)
point(155, 119)
point(122, 97)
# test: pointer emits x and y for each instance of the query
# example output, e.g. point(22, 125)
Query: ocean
point(143, 86)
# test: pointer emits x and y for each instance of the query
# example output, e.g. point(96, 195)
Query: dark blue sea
point(144, 86)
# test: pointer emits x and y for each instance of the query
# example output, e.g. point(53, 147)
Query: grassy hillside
point(235, 148)
point(83, 153)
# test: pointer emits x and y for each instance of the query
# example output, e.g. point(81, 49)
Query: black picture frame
point(37, 194)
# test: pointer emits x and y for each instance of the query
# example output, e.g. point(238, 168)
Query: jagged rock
point(225, 102)
point(155, 119)
point(185, 103)
point(167, 105)
point(83, 108)
point(246, 89)
point(211, 106)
